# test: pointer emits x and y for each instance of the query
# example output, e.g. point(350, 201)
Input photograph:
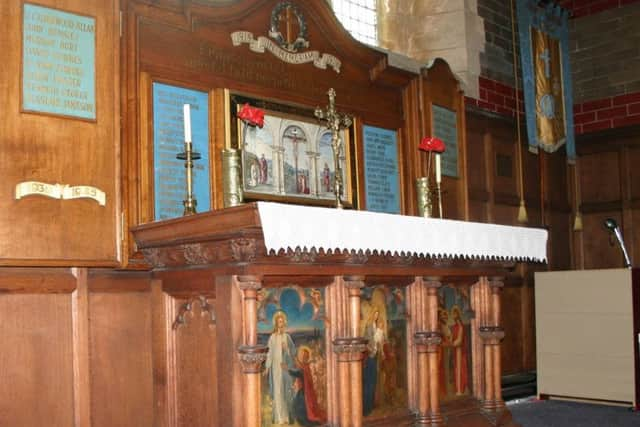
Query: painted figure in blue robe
point(374, 333)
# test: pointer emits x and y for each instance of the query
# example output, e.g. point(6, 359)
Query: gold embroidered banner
point(550, 114)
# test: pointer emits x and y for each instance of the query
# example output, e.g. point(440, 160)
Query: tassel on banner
point(577, 223)
point(522, 213)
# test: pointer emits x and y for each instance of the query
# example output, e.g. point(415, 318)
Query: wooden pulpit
point(334, 336)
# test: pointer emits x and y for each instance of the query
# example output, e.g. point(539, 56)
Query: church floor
point(531, 412)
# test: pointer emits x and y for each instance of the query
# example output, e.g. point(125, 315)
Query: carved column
point(252, 355)
point(350, 352)
point(354, 284)
point(427, 344)
point(496, 284)
point(492, 334)
point(432, 284)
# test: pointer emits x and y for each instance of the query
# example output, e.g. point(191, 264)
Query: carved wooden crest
point(286, 18)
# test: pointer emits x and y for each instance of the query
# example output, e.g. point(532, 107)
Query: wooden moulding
point(231, 240)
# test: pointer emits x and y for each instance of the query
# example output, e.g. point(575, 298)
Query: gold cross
point(335, 122)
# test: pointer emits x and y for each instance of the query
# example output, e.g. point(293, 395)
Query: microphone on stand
point(612, 226)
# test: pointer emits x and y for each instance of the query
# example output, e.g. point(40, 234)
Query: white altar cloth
point(330, 230)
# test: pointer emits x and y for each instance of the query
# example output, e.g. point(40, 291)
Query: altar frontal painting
point(294, 387)
point(384, 369)
point(454, 319)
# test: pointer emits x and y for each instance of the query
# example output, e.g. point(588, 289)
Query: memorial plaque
point(58, 62)
point(168, 141)
point(381, 173)
point(445, 127)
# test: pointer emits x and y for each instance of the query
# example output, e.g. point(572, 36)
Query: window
point(359, 17)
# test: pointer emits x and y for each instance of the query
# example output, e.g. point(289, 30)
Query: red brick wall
point(613, 112)
point(608, 113)
point(496, 97)
point(581, 8)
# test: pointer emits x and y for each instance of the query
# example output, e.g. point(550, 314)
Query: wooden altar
point(219, 262)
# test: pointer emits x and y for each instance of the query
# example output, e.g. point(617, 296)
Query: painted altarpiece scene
point(454, 319)
point(291, 323)
point(383, 313)
point(290, 157)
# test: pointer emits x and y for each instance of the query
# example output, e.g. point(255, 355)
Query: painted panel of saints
point(454, 318)
point(384, 369)
point(291, 324)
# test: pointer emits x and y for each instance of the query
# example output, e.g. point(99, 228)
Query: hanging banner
point(546, 75)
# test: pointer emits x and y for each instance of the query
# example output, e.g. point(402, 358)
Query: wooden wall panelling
point(120, 307)
point(37, 351)
point(479, 181)
point(531, 176)
point(229, 328)
point(512, 345)
point(609, 189)
point(600, 178)
point(61, 150)
point(413, 131)
point(442, 88)
point(185, 360)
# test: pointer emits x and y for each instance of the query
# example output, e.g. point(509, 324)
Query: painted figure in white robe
point(280, 359)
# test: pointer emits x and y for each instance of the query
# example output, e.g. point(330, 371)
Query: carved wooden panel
point(121, 371)
point(193, 374)
point(36, 368)
point(60, 150)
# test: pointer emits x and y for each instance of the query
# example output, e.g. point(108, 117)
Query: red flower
point(431, 143)
point(251, 116)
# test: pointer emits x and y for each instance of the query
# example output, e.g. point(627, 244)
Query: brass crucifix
point(335, 122)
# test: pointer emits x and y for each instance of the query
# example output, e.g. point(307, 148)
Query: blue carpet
point(558, 413)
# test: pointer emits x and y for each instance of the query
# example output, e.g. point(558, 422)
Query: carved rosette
point(252, 358)
point(243, 249)
point(153, 257)
point(350, 349)
point(491, 335)
point(427, 341)
point(196, 254)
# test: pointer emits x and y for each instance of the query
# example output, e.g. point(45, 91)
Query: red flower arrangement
point(251, 116)
point(431, 144)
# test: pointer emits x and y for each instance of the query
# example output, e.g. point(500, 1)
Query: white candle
point(438, 170)
point(187, 123)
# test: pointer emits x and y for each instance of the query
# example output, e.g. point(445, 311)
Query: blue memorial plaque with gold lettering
point(168, 141)
point(445, 127)
point(381, 173)
point(58, 62)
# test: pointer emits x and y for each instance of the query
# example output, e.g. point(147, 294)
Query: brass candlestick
point(189, 156)
point(439, 198)
point(335, 122)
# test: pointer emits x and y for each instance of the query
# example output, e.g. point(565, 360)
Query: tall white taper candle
point(187, 123)
point(438, 169)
